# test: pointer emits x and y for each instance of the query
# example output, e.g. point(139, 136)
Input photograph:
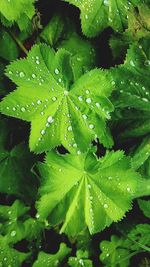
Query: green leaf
point(79, 49)
point(118, 251)
point(141, 154)
point(96, 15)
point(9, 49)
point(52, 259)
point(81, 186)
point(60, 112)
point(12, 226)
point(19, 11)
point(80, 260)
point(54, 30)
point(113, 253)
point(145, 207)
point(138, 22)
point(140, 237)
point(15, 169)
point(136, 94)
point(17, 225)
point(10, 256)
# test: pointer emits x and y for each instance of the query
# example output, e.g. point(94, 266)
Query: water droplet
point(78, 152)
point(14, 109)
point(145, 99)
point(21, 74)
point(107, 255)
point(39, 102)
point(37, 62)
point(91, 126)
point(86, 16)
point(89, 186)
point(128, 189)
point(33, 76)
point(13, 233)
point(88, 100)
point(70, 128)
point(87, 92)
point(106, 2)
point(105, 206)
point(132, 63)
point(80, 98)
point(42, 132)
point(66, 92)
point(147, 63)
point(56, 71)
point(74, 145)
point(59, 80)
point(97, 104)
point(42, 113)
point(23, 109)
point(60, 170)
point(54, 98)
point(50, 119)
point(10, 72)
point(84, 116)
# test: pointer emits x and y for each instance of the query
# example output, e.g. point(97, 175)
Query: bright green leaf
point(52, 259)
point(60, 112)
point(81, 259)
point(81, 186)
point(20, 11)
point(96, 15)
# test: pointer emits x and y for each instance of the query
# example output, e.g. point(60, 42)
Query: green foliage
point(96, 15)
point(9, 49)
point(145, 207)
point(15, 225)
point(60, 111)
point(19, 11)
point(118, 251)
point(52, 259)
point(83, 186)
point(89, 128)
point(15, 168)
point(81, 259)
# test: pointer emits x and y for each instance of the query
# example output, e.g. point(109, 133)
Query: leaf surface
point(81, 186)
point(60, 111)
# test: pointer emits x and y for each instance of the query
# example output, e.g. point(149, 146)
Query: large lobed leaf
point(96, 15)
point(60, 111)
point(82, 191)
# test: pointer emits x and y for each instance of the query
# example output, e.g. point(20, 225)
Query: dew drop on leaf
point(23, 109)
point(50, 119)
point(13, 233)
point(91, 126)
point(33, 76)
point(21, 74)
point(69, 128)
point(42, 132)
point(88, 100)
point(56, 71)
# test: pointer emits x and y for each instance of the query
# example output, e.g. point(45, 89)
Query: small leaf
point(81, 259)
point(145, 207)
point(52, 259)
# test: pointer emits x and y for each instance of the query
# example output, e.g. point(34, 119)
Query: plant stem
point(18, 42)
